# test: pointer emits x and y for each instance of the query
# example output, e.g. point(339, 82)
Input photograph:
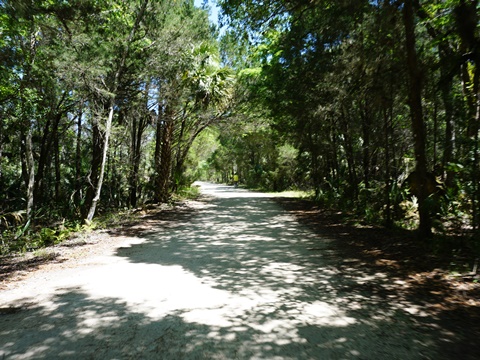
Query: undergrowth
point(186, 193)
point(21, 238)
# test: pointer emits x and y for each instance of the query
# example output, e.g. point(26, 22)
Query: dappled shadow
point(10, 266)
point(236, 279)
point(74, 325)
point(285, 280)
point(416, 275)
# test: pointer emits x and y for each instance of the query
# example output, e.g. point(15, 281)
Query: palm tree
point(203, 94)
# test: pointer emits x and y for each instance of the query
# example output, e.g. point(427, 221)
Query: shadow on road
point(236, 279)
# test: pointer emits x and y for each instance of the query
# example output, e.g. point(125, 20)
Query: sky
point(213, 12)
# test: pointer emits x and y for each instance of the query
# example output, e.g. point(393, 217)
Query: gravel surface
point(233, 276)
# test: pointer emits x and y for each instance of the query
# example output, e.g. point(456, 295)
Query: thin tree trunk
point(23, 158)
point(112, 177)
point(57, 168)
point(466, 16)
point(136, 168)
point(50, 134)
point(178, 162)
point(352, 174)
point(108, 127)
point(92, 177)
point(31, 174)
point(418, 125)
point(138, 127)
point(1, 151)
point(184, 152)
point(446, 55)
point(133, 162)
point(78, 158)
point(165, 158)
point(316, 178)
point(28, 166)
point(45, 150)
point(388, 180)
point(476, 160)
point(448, 145)
point(158, 151)
point(366, 144)
point(476, 178)
point(435, 130)
point(332, 134)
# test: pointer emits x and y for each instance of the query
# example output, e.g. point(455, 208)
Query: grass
point(186, 193)
point(298, 194)
point(45, 254)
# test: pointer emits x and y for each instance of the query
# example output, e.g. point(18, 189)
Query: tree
point(328, 69)
point(192, 92)
point(113, 88)
point(209, 89)
point(418, 124)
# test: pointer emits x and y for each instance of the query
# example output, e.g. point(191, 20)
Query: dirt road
point(236, 278)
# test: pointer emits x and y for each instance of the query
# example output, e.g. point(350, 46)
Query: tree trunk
point(352, 174)
point(108, 126)
point(138, 127)
point(78, 158)
point(445, 55)
point(314, 165)
point(178, 172)
point(58, 196)
point(45, 150)
point(1, 153)
point(158, 151)
point(388, 180)
point(138, 156)
point(416, 113)
point(92, 177)
point(333, 157)
point(134, 155)
point(186, 148)
point(476, 160)
point(467, 18)
point(472, 95)
point(31, 173)
point(28, 165)
point(448, 145)
point(111, 176)
point(165, 161)
point(365, 115)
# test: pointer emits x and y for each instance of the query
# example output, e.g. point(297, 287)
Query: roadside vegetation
point(372, 108)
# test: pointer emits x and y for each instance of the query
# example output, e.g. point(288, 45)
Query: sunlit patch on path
point(235, 279)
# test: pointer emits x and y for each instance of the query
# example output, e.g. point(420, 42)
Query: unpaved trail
point(237, 278)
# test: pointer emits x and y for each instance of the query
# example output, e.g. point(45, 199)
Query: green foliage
point(294, 95)
point(17, 240)
point(186, 193)
point(330, 79)
point(62, 63)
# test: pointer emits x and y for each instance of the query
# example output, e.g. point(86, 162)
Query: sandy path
point(238, 278)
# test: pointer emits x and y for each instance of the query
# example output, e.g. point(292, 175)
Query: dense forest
point(100, 103)
point(373, 106)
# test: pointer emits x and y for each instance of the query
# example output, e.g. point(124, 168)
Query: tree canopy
point(100, 102)
point(374, 106)
point(380, 100)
